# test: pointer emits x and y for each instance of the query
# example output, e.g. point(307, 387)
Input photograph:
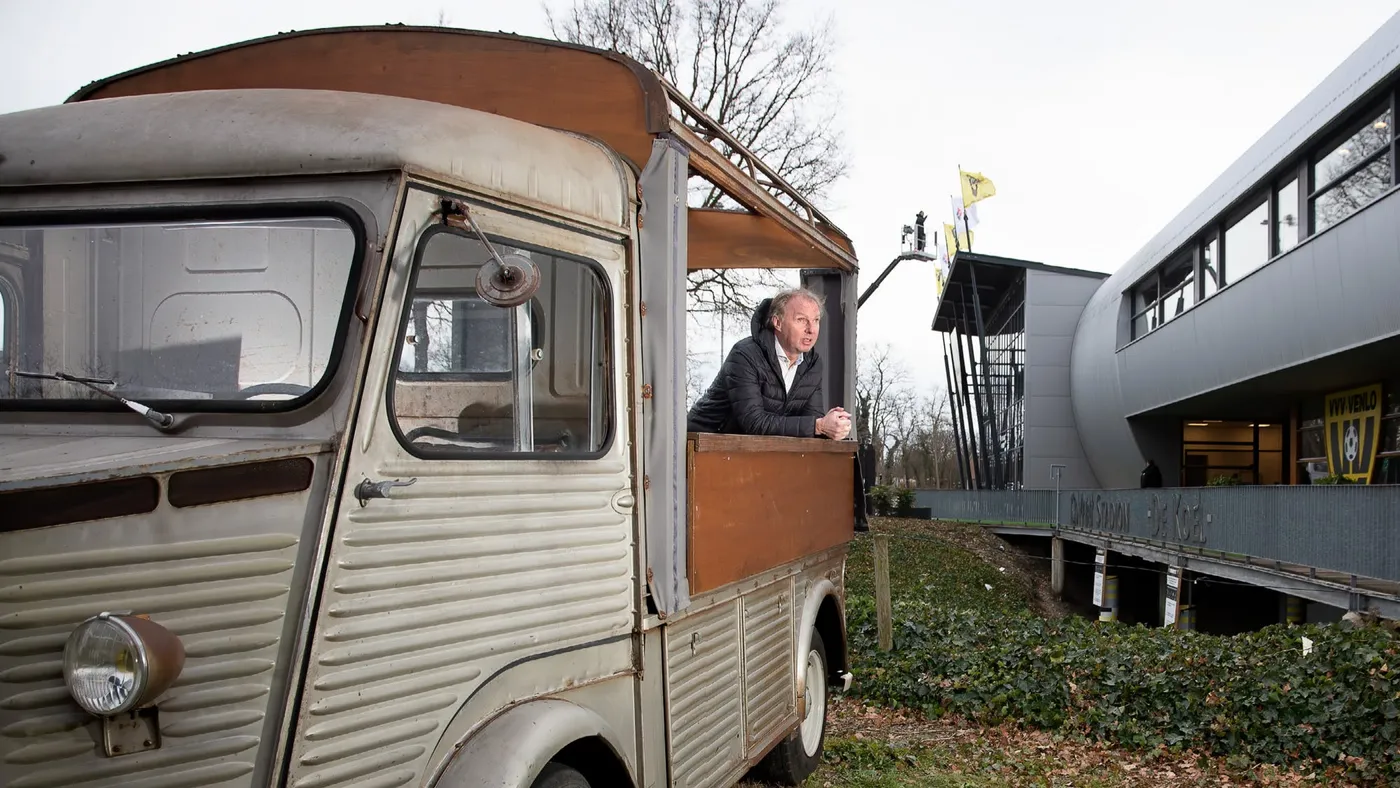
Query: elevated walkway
point(1331, 545)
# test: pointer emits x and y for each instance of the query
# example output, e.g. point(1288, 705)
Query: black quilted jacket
point(748, 396)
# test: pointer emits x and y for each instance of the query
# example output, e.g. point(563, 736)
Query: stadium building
point(1250, 350)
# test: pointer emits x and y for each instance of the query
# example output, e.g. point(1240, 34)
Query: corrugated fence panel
point(1350, 529)
point(989, 506)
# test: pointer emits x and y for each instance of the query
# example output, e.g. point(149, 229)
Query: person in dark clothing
point(771, 381)
point(1151, 475)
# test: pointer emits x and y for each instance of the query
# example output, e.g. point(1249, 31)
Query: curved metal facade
point(1333, 292)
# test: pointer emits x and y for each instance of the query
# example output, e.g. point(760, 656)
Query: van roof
point(602, 95)
point(214, 134)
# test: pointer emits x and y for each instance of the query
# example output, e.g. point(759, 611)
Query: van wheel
point(557, 775)
point(797, 756)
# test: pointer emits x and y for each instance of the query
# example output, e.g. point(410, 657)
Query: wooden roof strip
point(604, 95)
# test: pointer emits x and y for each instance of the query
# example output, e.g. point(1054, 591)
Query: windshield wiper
point(162, 420)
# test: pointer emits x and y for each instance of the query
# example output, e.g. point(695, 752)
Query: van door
point(486, 517)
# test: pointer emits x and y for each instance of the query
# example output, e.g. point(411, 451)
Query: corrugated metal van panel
point(770, 681)
point(432, 591)
point(222, 577)
point(480, 566)
point(703, 661)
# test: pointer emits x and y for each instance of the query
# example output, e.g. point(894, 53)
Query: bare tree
point(695, 381)
point(905, 422)
point(912, 432)
point(765, 83)
point(878, 377)
point(931, 453)
point(1361, 186)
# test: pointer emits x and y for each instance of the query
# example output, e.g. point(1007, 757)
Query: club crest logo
point(1352, 428)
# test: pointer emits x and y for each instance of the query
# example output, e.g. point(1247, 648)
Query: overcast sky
point(1098, 120)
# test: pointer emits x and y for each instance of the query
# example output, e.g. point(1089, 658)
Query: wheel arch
point(534, 733)
point(822, 613)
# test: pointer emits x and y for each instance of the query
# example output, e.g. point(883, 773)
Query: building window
point(1005, 368)
point(1310, 448)
point(1248, 452)
point(1147, 314)
point(1286, 224)
point(1353, 172)
point(1247, 244)
point(1178, 288)
point(1315, 192)
point(1388, 455)
point(1210, 268)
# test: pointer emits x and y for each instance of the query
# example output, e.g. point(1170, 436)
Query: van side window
point(473, 379)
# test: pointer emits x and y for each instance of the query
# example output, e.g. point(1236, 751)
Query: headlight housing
point(116, 663)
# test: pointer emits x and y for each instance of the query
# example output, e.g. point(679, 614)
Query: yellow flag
point(958, 240)
point(975, 186)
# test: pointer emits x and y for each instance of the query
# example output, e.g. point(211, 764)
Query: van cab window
point(210, 313)
point(473, 378)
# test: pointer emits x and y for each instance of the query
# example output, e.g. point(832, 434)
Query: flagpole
point(966, 228)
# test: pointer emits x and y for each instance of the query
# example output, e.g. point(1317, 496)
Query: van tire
point(557, 775)
point(797, 756)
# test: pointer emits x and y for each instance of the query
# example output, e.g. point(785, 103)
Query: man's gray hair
point(780, 301)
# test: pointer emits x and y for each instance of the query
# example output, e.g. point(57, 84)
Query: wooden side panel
point(754, 510)
point(555, 86)
point(730, 239)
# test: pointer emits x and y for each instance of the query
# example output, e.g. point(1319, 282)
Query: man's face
point(798, 327)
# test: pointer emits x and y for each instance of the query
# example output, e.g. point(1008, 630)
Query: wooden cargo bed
point(757, 502)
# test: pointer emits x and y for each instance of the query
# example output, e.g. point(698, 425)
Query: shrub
point(883, 498)
point(904, 501)
point(1253, 696)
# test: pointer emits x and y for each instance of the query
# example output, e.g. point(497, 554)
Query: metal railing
point(764, 176)
point(1348, 529)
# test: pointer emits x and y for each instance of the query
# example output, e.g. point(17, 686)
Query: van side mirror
point(503, 281)
point(507, 281)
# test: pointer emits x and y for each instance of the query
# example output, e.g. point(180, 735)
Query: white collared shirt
point(789, 369)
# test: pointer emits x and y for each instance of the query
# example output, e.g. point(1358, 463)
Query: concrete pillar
point(1188, 617)
point(1186, 603)
point(1162, 596)
point(1172, 596)
point(1109, 610)
point(1294, 609)
point(1057, 566)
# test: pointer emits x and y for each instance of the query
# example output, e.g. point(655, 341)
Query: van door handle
point(367, 489)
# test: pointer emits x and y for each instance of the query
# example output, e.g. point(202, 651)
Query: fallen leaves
point(900, 747)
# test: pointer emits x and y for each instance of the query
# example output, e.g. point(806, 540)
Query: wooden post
point(882, 591)
point(1057, 566)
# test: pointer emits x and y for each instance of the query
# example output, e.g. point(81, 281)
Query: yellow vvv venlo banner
point(1353, 428)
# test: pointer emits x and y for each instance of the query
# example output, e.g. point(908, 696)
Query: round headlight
point(113, 664)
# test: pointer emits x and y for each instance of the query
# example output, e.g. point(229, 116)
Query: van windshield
point(197, 311)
